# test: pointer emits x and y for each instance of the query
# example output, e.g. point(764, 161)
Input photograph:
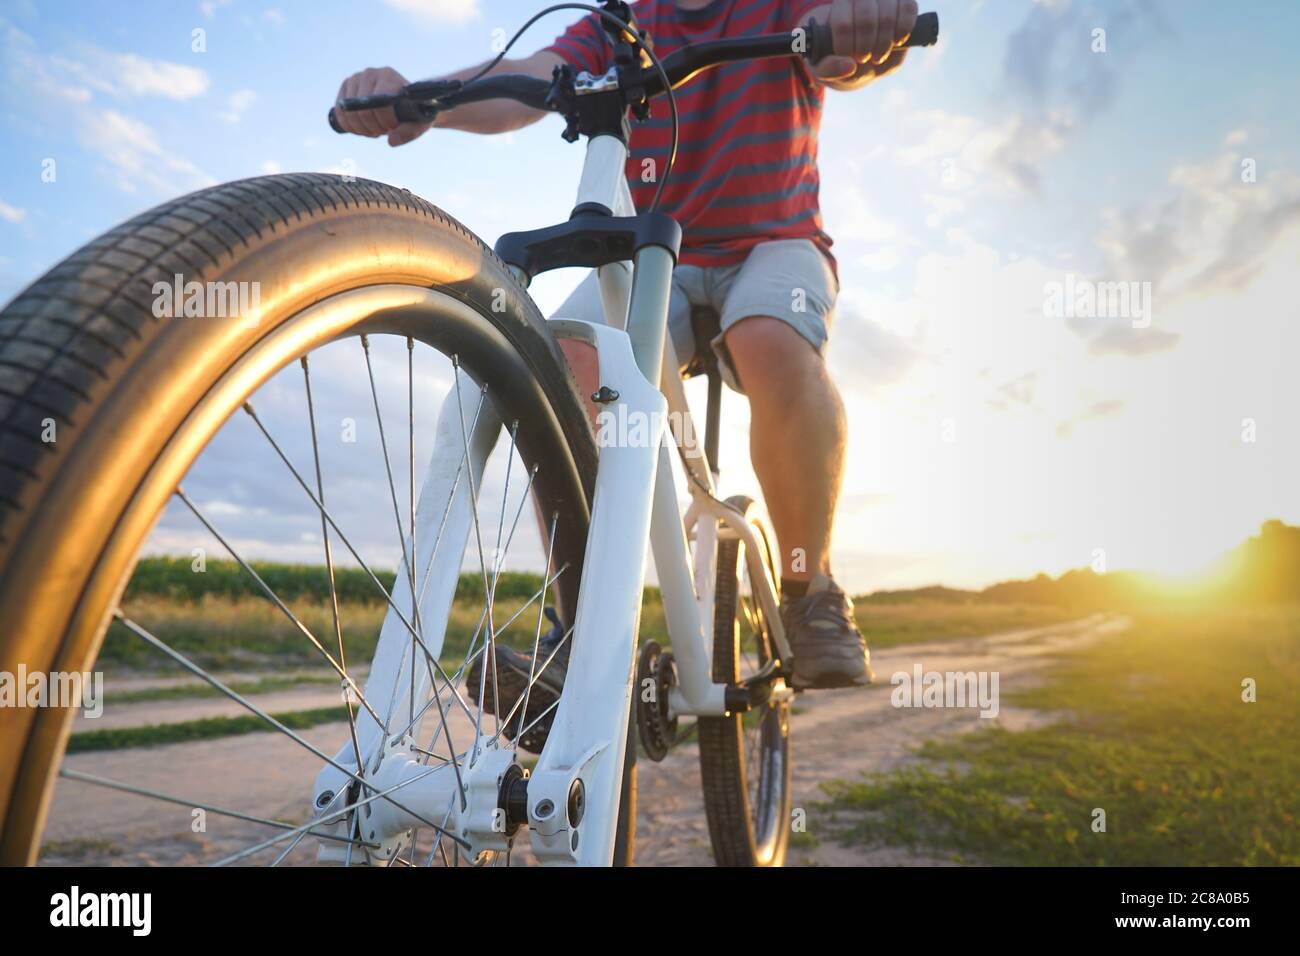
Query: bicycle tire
point(82, 348)
point(724, 773)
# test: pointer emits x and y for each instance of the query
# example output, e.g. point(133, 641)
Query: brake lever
point(406, 105)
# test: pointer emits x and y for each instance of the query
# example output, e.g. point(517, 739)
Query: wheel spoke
point(329, 566)
point(470, 652)
point(275, 599)
point(240, 699)
point(478, 538)
point(410, 517)
point(540, 671)
point(331, 816)
point(408, 560)
point(537, 637)
point(193, 804)
point(388, 598)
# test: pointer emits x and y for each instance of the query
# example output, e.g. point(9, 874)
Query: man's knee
point(762, 347)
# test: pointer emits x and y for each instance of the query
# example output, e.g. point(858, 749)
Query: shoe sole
point(513, 672)
point(834, 681)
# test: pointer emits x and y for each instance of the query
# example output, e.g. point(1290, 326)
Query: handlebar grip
point(407, 112)
point(821, 43)
point(926, 31)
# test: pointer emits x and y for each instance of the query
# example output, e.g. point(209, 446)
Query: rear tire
point(745, 769)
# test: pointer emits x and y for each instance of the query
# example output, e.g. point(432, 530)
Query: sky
point(1040, 147)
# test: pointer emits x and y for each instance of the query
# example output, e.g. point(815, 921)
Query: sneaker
point(828, 649)
point(511, 679)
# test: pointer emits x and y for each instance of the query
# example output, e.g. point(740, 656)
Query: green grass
point(1153, 731)
point(177, 578)
point(887, 621)
point(206, 728)
point(263, 685)
point(231, 627)
point(79, 848)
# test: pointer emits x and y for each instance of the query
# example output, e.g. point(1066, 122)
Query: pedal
point(758, 689)
point(656, 676)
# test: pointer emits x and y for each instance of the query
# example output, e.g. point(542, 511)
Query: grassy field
point(1153, 731)
point(890, 622)
point(250, 633)
point(204, 728)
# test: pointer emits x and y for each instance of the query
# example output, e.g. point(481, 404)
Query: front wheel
point(212, 377)
point(745, 758)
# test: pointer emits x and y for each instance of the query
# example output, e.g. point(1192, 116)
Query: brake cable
point(672, 154)
point(637, 42)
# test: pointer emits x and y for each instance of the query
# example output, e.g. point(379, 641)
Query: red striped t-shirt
point(746, 168)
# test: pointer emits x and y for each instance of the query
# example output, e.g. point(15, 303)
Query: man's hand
point(868, 37)
point(376, 82)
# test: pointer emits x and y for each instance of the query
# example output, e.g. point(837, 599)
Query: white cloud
point(132, 150)
point(61, 88)
point(964, 152)
point(1209, 228)
point(11, 213)
point(124, 75)
point(28, 69)
point(882, 260)
point(454, 11)
point(236, 105)
point(174, 81)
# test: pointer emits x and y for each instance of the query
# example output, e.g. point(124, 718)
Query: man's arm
point(489, 116)
point(868, 35)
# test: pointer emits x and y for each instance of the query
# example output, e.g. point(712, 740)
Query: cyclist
point(745, 191)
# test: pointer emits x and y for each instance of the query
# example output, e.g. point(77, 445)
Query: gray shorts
point(787, 279)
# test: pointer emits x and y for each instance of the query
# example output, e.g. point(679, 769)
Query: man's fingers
point(370, 82)
point(866, 19)
point(890, 63)
point(406, 132)
point(883, 40)
point(372, 121)
point(346, 120)
point(841, 21)
point(837, 67)
point(907, 13)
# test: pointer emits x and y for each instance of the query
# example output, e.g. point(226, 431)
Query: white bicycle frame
point(636, 500)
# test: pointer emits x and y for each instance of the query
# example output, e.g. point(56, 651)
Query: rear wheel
point(745, 758)
point(113, 410)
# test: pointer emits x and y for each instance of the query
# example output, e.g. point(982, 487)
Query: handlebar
point(422, 101)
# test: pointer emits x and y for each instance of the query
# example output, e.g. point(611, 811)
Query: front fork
point(572, 798)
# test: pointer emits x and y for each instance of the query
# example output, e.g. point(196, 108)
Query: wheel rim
point(419, 315)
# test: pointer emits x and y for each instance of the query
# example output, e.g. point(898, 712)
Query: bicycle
point(136, 397)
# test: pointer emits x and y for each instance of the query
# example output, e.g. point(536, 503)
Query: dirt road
point(836, 735)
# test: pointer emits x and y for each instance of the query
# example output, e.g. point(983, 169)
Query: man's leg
point(796, 437)
point(776, 317)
